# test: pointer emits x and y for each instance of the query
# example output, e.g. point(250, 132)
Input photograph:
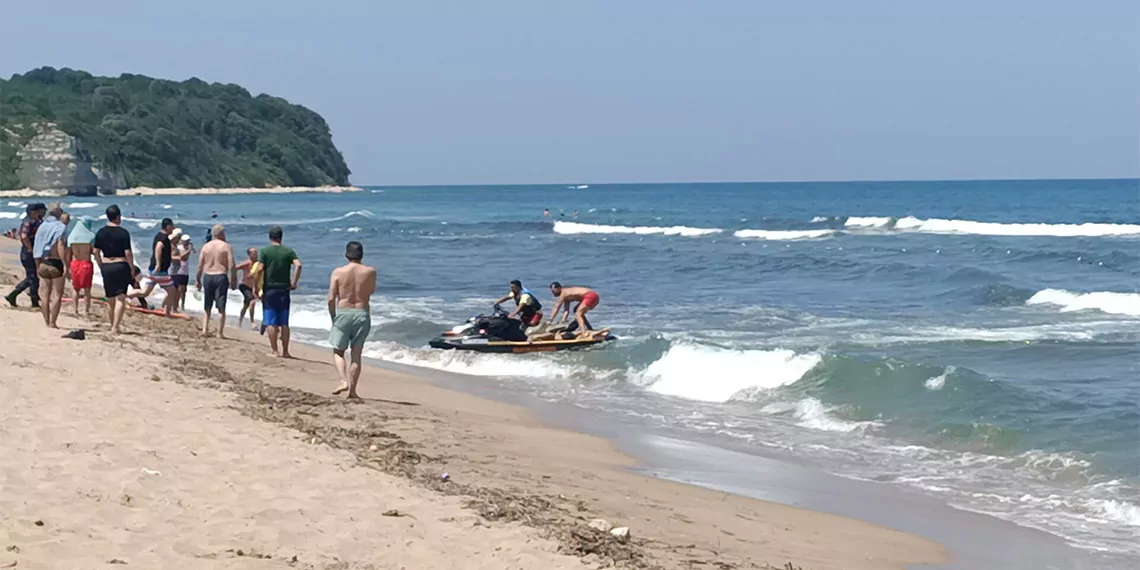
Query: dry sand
point(164, 450)
point(144, 191)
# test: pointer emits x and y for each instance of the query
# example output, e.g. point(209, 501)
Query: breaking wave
point(1103, 301)
point(570, 228)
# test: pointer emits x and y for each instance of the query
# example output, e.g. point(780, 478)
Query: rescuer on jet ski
point(527, 309)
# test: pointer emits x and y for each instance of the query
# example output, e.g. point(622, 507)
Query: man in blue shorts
point(279, 278)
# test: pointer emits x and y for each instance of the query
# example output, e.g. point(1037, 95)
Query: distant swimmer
point(280, 271)
point(215, 269)
point(546, 212)
point(214, 214)
point(350, 294)
point(249, 287)
point(586, 298)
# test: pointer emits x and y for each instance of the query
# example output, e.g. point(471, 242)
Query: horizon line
point(856, 181)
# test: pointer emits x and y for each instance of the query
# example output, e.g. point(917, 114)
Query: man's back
point(278, 262)
point(354, 284)
point(216, 257)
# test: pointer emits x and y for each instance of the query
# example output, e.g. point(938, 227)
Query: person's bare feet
point(287, 355)
point(341, 389)
point(353, 396)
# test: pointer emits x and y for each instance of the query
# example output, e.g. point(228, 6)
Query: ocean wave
point(811, 413)
point(783, 234)
point(941, 226)
point(820, 219)
point(571, 228)
point(16, 204)
point(867, 222)
point(9, 215)
point(147, 223)
point(472, 363)
point(81, 205)
point(1103, 301)
point(713, 374)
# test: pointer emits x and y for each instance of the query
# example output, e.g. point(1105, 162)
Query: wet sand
point(160, 448)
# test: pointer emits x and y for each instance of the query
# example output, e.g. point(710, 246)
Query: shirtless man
point(248, 287)
point(350, 292)
point(586, 298)
point(215, 270)
point(82, 269)
point(49, 251)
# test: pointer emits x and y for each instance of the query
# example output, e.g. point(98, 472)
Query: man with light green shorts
point(350, 294)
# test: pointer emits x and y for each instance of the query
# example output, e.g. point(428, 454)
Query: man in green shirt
point(279, 278)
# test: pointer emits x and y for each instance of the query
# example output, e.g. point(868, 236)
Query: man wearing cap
point(49, 252)
point(34, 215)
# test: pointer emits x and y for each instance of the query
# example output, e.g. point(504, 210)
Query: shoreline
point(146, 191)
point(504, 463)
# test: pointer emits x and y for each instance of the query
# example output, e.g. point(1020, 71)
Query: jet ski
point(497, 333)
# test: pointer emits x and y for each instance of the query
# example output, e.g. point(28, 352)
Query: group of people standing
point(50, 256)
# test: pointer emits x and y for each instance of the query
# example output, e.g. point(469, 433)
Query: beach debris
point(14, 549)
point(444, 476)
point(621, 533)
point(39, 523)
point(77, 334)
point(155, 378)
point(116, 561)
point(395, 513)
point(373, 448)
point(12, 565)
point(600, 524)
point(150, 471)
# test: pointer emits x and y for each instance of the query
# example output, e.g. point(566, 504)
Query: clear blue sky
point(466, 92)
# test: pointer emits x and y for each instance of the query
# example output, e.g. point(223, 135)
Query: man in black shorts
point(115, 259)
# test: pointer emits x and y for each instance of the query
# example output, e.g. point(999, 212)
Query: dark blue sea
point(975, 341)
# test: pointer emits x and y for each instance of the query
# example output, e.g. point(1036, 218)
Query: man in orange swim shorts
point(586, 298)
point(79, 250)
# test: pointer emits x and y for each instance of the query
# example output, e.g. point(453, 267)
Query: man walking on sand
point(350, 294)
point(162, 255)
point(79, 251)
point(248, 287)
point(33, 217)
point(278, 279)
point(215, 270)
point(49, 251)
point(116, 263)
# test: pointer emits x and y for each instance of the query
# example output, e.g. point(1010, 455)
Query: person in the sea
point(33, 217)
point(115, 259)
point(249, 287)
point(350, 295)
point(527, 308)
point(586, 298)
point(49, 251)
point(80, 265)
point(280, 272)
point(158, 271)
point(215, 270)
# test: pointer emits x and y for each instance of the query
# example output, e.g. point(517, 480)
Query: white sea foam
point(783, 234)
point(711, 374)
point(254, 222)
point(167, 206)
point(1103, 301)
point(80, 205)
point(570, 228)
point(813, 414)
point(867, 222)
point(941, 226)
point(938, 382)
point(146, 225)
point(820, 219)
point(470, 363)
point(16, 204)
point(9, 215)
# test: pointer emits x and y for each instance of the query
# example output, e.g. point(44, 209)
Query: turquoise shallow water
point(976, 341)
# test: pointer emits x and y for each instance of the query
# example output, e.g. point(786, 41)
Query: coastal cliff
point(70, 132)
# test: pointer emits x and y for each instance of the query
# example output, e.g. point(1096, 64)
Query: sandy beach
point(161, 449)
point(143, 191)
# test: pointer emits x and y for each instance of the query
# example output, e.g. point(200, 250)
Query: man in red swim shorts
point(586, 298)
point(82, 270)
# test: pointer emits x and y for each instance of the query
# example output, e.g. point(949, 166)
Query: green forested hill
point(161, 133)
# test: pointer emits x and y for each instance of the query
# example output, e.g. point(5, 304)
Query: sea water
point(975, 341)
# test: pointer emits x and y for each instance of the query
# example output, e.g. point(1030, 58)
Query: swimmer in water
point(214, 214)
